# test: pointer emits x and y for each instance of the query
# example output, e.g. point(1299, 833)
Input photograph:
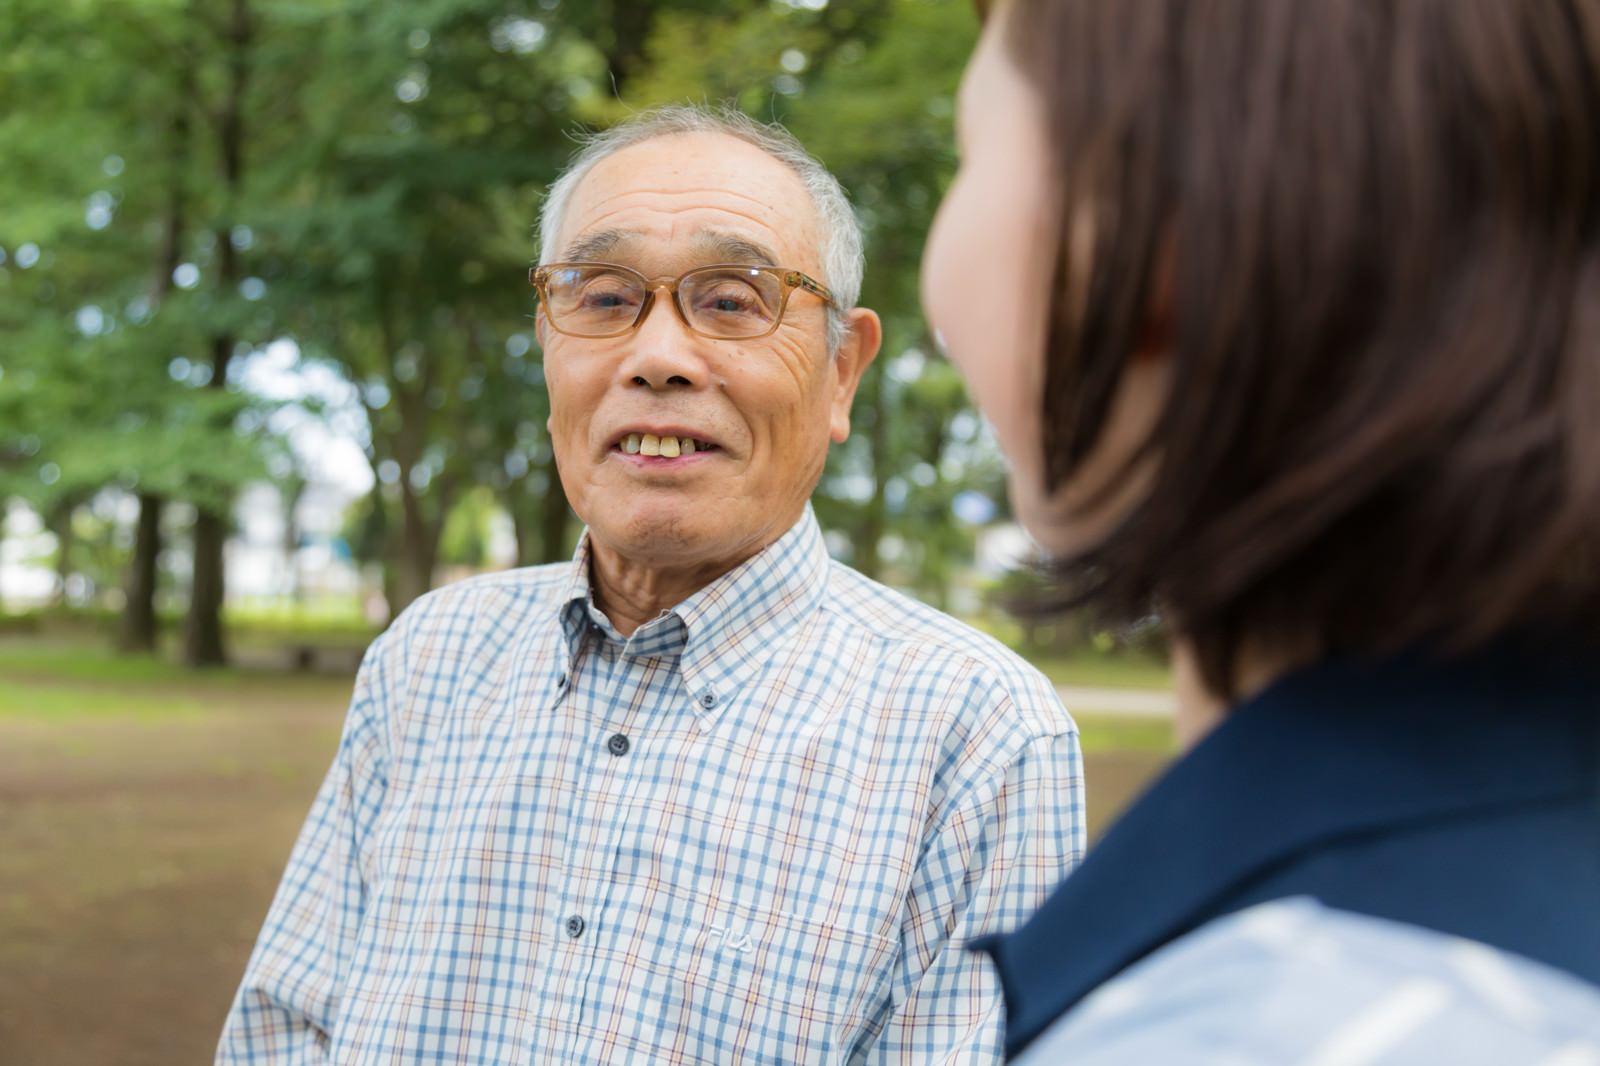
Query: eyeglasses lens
point(726, 302)
point(731, 303)
point(593, 302)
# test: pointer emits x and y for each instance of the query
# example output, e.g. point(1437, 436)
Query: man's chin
point(661, 536)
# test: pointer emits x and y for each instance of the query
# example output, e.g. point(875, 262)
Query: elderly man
point(701, 795)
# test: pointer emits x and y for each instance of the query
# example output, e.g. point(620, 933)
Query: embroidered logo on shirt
point(729, 939)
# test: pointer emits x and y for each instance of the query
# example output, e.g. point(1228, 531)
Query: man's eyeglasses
point(727, 301)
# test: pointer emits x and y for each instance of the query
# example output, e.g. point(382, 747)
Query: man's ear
point(860, 347)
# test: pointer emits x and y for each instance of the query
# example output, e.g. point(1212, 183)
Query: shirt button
point(618, 744)
point(561, 682)
point(708, 699)
point(575, 926)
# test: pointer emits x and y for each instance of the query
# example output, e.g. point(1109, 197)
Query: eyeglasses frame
point(791, 280)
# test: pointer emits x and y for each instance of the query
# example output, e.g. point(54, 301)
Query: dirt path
point(136, 861)
point(1144, 703)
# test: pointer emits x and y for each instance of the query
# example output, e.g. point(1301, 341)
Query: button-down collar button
point(618, 744)
point(708, 699)
point(575, 926)
point(561, 682)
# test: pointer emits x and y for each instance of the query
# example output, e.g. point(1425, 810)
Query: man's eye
point(730, 300)
point(605, 299)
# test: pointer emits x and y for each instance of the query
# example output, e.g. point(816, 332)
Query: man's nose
point(664, 352)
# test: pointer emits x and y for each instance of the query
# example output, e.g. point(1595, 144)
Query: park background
point(268, 373)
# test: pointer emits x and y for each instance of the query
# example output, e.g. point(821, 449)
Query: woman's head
point(1305, 343)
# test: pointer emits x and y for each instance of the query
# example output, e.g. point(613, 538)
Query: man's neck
point(631, 593)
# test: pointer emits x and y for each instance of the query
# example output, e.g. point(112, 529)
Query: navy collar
point(1329, 753)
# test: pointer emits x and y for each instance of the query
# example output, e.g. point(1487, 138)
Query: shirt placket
point(605, 683)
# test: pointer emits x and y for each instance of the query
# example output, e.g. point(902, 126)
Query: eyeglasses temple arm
point(816, 288)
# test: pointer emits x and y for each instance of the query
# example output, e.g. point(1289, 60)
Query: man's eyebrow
point(710, 246)
point(594, 246)
point(732, 248)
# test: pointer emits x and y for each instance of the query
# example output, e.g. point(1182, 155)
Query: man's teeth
point(665, 447)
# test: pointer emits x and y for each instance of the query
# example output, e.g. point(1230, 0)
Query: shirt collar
point(576, 603)
point(724, 633)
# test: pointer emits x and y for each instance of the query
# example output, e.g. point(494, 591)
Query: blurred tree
point(105, 287)
point(191, 181)
point(520, 466)
point(232, 38)
point(422, 172)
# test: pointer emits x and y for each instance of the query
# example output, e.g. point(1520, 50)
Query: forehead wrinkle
point(700, 193)
point(708, 197)
point(637, 237)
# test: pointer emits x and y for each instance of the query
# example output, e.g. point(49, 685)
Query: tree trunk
point(203, 642)
point(411, 579)
point(527, 535)
point(139, 625)
point(410, 570)
point(140, 630)
point(555, 516)
point(630, 22)
point(418, 557)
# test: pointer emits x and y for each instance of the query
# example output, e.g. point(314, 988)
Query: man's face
point(761, 412)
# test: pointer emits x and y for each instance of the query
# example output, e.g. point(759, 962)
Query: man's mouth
point(664, 447)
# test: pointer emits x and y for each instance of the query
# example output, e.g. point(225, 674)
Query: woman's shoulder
point(1293, 981)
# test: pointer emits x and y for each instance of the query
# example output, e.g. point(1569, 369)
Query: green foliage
point(379, 214)
point(105, 351)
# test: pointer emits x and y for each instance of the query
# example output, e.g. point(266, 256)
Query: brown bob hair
point(1381, 221)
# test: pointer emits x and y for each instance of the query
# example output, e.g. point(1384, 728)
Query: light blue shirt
point(1294, 983)
point(759, 829)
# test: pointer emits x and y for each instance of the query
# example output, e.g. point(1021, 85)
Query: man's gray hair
point(838, 232)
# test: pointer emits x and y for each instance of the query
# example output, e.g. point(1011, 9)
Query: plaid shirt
point(759, 830)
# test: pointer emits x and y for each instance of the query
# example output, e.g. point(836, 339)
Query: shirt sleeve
point(288, 1002)
point(987, 868)
point(1291, 981)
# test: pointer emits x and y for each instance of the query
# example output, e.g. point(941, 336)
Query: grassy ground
point(270, 634)
point(1092, 670)
point(145, 815)
point(1085, 666)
